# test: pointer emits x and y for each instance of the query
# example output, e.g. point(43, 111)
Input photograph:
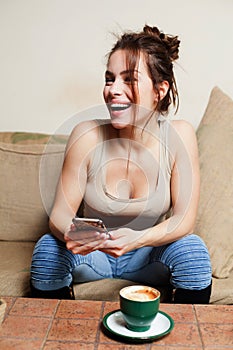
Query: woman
point(139, 173)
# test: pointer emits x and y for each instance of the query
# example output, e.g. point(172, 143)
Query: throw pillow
point(215, 215)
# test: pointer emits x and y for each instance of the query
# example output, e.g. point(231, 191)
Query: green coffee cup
point(139, 306)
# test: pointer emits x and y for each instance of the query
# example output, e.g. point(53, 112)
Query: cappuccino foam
point(140, 295)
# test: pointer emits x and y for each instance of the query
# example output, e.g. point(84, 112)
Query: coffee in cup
point(139, 306)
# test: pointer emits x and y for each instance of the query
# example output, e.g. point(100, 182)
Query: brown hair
point(160, 50)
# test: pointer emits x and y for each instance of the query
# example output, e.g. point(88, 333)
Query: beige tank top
point(136, 213)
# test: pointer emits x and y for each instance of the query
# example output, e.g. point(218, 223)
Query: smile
point(119, 106)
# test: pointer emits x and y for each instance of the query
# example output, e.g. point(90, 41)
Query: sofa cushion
point(222, 291)
point(15, 268)
point(108, 290)
point(215, 214)
point(26, 192)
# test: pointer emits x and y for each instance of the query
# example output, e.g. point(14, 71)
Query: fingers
point(85, 242)
point(83, 249)
point(83, 236)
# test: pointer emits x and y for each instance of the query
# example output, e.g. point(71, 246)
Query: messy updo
point(160, 51)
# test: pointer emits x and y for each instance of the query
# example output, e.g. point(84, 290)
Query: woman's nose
point(116, 87)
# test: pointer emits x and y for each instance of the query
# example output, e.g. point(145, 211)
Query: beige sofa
point(30, 165)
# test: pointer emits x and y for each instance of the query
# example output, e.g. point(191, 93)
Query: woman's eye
point(130, 80)
point(108, 81)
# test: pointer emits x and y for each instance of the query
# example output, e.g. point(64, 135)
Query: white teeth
point(119, 105)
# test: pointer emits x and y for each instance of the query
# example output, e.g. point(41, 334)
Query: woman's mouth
point(117, 107)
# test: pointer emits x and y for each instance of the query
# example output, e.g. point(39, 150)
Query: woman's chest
point(130, 173)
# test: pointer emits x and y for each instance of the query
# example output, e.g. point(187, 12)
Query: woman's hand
point(122, 241)
point(85, 241)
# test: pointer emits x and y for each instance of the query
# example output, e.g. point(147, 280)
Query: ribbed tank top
point(135, 213)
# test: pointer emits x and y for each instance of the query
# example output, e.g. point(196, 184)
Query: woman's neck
point(141, 134)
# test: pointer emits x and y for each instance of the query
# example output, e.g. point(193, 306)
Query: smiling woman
point(122, 91)
point(138, 172)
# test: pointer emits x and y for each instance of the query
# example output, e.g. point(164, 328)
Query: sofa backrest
point(30, 168)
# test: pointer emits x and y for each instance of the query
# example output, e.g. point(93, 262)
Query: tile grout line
point(198, 326)
point(50, 325)
point(97, 337)
point(10, 308)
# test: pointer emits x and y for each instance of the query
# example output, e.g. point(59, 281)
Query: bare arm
point(72, 182)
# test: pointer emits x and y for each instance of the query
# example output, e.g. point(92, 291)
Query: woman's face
point(118, 94)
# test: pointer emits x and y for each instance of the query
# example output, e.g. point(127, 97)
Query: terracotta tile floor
point(54, 324)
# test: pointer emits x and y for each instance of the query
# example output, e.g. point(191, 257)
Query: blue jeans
point(183, 264)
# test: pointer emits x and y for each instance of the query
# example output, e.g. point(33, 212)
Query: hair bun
point(153, 31)
point(171, 42)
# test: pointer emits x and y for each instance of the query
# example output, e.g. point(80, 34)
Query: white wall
point(52, 54)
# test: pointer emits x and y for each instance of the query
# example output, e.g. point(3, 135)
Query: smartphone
point(88, 223)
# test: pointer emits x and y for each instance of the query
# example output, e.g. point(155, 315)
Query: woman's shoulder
point(183, 138)
point(88, 130)
point(87, 126)
point(182, 126)
point(180, 136)
point(182, 129)
point(85, 135)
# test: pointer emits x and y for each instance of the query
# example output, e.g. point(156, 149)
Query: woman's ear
point(163, 89)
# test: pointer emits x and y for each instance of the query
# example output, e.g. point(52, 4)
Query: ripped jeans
point(184, 263)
